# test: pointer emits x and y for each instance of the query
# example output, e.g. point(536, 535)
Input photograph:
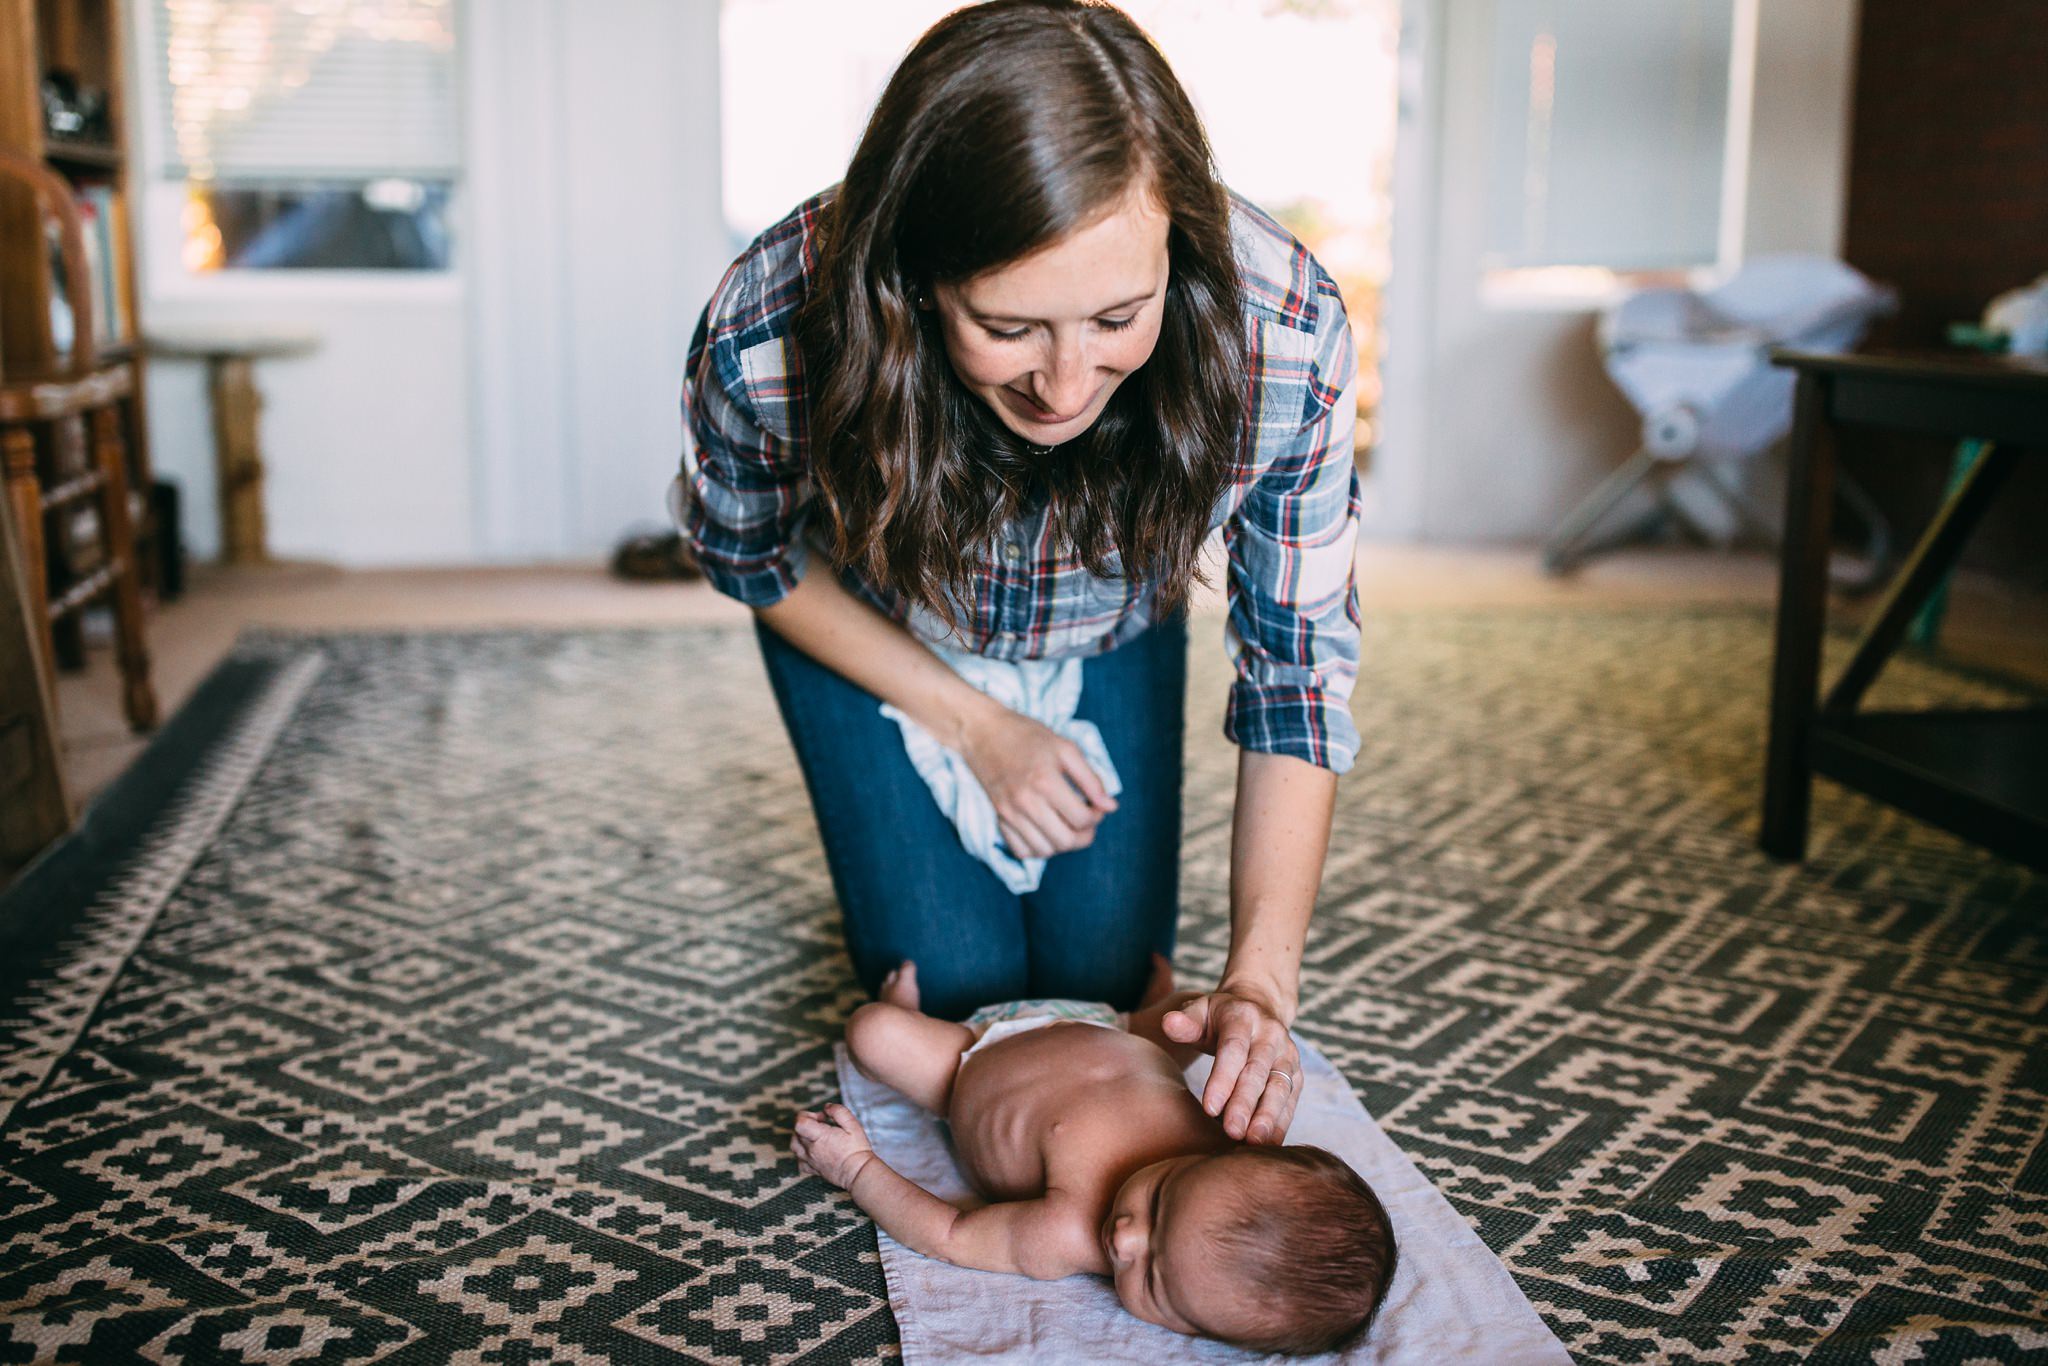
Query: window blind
point(308, 90)
point(1609, 132)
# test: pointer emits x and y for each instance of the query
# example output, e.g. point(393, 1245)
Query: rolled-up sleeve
point(742, 497)
point(1294, 624)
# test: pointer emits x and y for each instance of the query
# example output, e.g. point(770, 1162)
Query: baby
point(1077, 1125)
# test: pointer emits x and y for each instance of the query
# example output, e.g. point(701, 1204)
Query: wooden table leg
point(1802, 620)
point(236, 406)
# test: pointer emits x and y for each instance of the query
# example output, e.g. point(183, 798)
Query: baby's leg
point(900, 1046)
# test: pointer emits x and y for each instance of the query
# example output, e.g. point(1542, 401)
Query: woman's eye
point(1019, 335)
point(1115, 324)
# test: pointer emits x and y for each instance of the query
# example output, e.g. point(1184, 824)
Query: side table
point(231, 354)
point(1980, 774)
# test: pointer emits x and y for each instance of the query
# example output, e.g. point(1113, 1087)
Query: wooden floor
point(1987, 626)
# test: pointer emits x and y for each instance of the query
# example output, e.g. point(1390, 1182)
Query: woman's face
point(1045, 340)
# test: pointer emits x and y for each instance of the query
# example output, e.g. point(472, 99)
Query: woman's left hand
point(1257, 1077)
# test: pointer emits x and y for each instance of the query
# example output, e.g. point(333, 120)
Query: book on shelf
point(123, 292)
point(102, 216)
point(63, 328)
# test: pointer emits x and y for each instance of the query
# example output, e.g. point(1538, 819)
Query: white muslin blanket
point(1047, 691)
point(1451, 1300)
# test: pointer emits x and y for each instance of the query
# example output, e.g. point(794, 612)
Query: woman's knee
point(1118, 978)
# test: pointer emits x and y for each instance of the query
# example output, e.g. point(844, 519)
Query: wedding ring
point(1276, 1072)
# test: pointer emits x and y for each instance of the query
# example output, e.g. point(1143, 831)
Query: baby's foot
point(1161, 984)
point(899, 988)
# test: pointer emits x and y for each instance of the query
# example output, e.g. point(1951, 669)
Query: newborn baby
point(1077, 1125)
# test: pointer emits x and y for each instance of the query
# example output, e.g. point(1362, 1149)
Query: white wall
point(1799, 154)
point(366, 443)
point(1499, 418)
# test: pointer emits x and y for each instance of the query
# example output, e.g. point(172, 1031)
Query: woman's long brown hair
point(1008, 126)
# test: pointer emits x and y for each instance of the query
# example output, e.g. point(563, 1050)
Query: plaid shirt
point(1289, 519)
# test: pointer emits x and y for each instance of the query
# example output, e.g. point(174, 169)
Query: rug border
point(1988, 675)
point(89, 898)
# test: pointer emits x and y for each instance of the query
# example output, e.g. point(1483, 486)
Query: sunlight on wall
point(1298, 97)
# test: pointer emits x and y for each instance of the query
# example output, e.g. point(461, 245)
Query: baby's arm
point(1044, 1239)
point(1146, 1024)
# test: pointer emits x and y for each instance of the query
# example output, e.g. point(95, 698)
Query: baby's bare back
point(1072, 1105)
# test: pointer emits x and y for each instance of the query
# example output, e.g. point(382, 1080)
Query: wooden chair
point(64, 438)
point(34, 807)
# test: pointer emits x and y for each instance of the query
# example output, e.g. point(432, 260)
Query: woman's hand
point(1048, 799)
point(831, 1144)
point(1257, 1077)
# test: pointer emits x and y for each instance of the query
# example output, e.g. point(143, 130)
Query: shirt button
point(1013, 552)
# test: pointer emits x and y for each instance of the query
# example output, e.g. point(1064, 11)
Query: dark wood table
point(1982, 774)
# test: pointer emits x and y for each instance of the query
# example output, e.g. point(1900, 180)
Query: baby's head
point(1277, 1249)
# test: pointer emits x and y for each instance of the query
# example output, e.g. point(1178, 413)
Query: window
point(310, 134)
point(1616, 136)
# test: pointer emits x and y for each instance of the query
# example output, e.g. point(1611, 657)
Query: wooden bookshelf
point(94, 155)
point(86, 42)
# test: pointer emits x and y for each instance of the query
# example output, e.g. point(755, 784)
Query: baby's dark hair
point(1315, 1240)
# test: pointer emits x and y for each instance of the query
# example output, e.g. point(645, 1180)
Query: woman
point(1005, 379)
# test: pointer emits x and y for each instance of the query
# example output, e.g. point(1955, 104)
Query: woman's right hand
point(1048, 799)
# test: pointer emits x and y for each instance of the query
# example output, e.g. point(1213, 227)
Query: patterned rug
point(454, 1002)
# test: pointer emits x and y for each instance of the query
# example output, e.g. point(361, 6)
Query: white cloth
point(1451, 1301)
point(2022, 314)
point(1047, 691)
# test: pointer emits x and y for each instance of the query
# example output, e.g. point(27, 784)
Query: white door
point(595, 234)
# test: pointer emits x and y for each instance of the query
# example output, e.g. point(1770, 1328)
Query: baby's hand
point(831, 1145)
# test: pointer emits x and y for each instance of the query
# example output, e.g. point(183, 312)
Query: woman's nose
point(1068, 379)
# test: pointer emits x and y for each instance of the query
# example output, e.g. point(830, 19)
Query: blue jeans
point(908, 890)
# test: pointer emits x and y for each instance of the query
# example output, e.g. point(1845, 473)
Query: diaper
point(1005, 1018)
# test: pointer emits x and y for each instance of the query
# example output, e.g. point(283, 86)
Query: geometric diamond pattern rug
point(455, 1000)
